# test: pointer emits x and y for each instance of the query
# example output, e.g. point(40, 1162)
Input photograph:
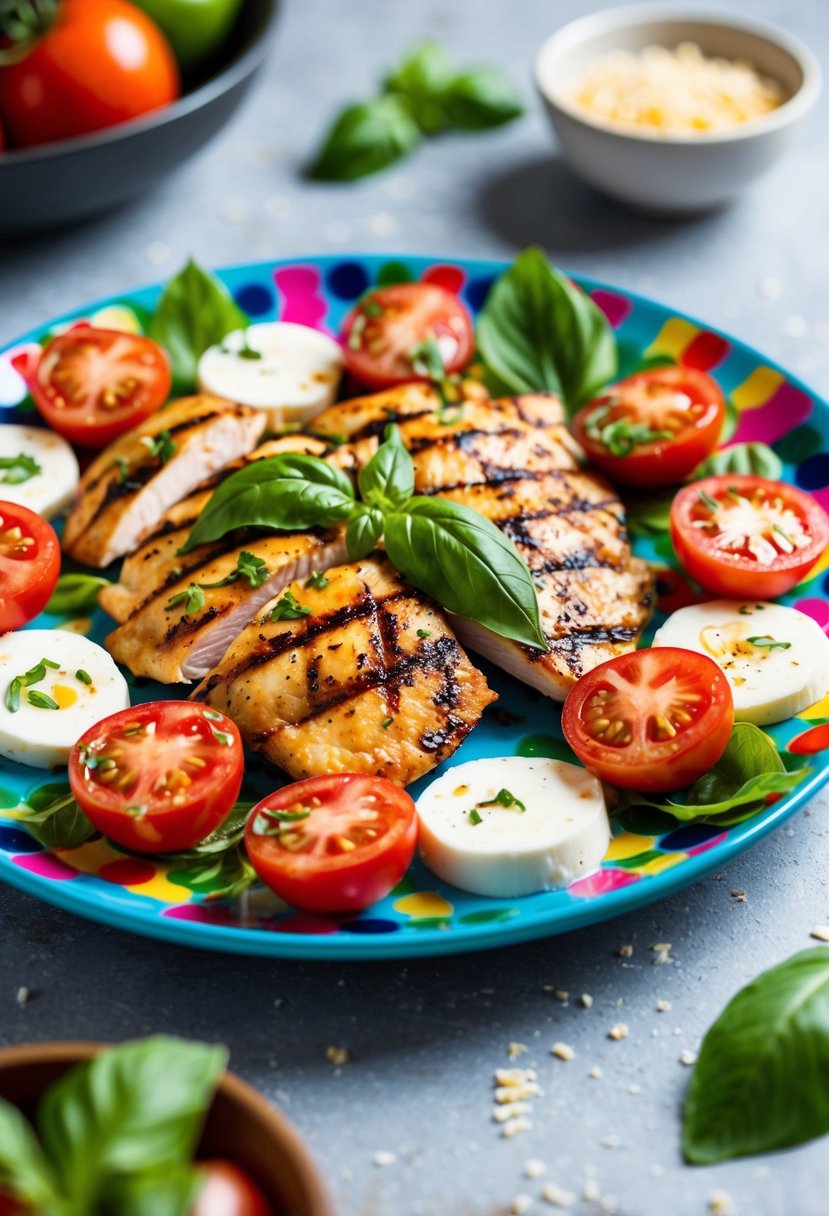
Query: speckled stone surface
point(425, 1039)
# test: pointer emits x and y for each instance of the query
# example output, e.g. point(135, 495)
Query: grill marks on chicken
point(126, 490)
point(516, 463)
point(371, 680)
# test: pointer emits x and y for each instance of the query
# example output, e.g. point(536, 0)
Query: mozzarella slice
point(292, 371)
point(776, 659)
point(561, 835)
point(44, 472)
point(44, 737)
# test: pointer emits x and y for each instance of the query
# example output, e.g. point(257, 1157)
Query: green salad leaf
point(195, 311)
point(55, 819)
point(388, 478)
point(366, 138)
point(756, 458)
point(537, 331)
point(480, 99)
point(760, 1081)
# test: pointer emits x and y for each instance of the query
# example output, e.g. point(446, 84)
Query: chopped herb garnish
point(162, 445)
point(41, 700)
point(137, 810)
point(424, 633)
point(261, 826)
point(504, 798)
point(83, 676)
point(474, 817)
point(221, 736)
point(708, 501)
point(123, 468)
point(372, 308)
point(769, 643)
point(211, 715)
point(386, 723)
point(317, 580)
point(192, 598)
point(747, 609)
point(248, 566)
point(14, 470)
point(33, 676)
point(427, 360)
point(288, 608)
point(13, 695)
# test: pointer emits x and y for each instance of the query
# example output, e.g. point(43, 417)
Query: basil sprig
point(76, 594)
point(737, 787)
point(423, 95)
point(115, 1134)
point(537, 330)
point(759, 1082)
point(443, 548)
point(195, 311)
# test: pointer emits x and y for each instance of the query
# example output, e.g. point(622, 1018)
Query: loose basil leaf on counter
point(363, 532)
point(58, 823)
point(480, 99)
point(388, 478)
point(24, 1169)
point(195, 311)
point(756, 458)
point(421, 80)
point(759, 1082)
point(537, 330)
point(133, 1108)
point(749, 770)
point(467, 564)
point(75, 594)
point(366, 138)
point(286, 492)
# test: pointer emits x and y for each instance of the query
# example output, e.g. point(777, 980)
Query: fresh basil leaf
point(288, 608)
point(387, 480)
point(759, 1082)
point(744, 458)
point(134, 1107)
point(366, 138)
point(226, 874)
point(195, 311)
point(537, 330)
point(24, 1169)
point(421, 79)
point(648, 514)
point(59, 824)
point(286, 492)
point(171, 1192)
point(467, 564)
point(75, 594)
point(749, 753)
point(226, 836)
point(363, 532)
point(480, 99)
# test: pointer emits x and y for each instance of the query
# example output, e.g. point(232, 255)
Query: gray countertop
point(425, 1038)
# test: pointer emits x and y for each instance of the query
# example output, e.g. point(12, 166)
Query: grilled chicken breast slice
point(516, 463)
point(126, 490)
point(372, 680)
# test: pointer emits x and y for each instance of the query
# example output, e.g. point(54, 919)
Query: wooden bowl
point(241, 1126)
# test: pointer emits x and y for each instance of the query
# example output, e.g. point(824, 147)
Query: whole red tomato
point(99, 62)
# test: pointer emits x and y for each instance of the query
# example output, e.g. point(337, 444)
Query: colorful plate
point(649, 857)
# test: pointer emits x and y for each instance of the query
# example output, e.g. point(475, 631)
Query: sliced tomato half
point(159, 777)
point(654, 428)
point(747, 537)
point(651, 720)
point(410, 331)
point(29, 565)
point(91, 385)
point(336, 843)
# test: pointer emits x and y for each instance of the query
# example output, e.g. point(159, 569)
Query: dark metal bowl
point(58, 183)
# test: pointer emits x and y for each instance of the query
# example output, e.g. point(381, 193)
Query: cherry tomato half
point(52, 93)
point(652, 429)
point(91, 385)
point(336, 843)
point(384, 335)
point(29, 565)
point(651, 720)
point(228, 1191)
point(744, 536)
point(158, 777)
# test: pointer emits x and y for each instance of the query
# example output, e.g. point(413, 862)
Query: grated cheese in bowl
point(673, 92)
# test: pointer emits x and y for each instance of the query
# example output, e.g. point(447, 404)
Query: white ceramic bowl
point(676, 173)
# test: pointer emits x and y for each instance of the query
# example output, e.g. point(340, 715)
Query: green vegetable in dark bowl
point(194, 28)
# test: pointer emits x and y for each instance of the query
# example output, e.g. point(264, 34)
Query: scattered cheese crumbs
point(557, 1196)
point(517, 1093)
point(515, 1076)
point(514, 1127)
point(619, 1031)
point(662, 1006)
point(514, 1050)
point(720, 1203)
point(656, 1171)
point(563, 1050)
point(586, 1000)
point(688, 1058)
point(520, 1205)
point(820, 933)
point(739, 896)
point(595, 1072)
point(561, 994)
point(625, 952)
point(611, 1140)
point(591, 1191)
point(534, 1168)
point(383, 1158)
point(24, 995)
point(502, 1114)
point(337, 1055)
point(662, 950)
